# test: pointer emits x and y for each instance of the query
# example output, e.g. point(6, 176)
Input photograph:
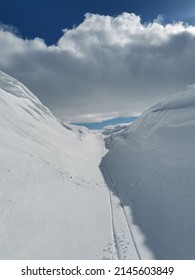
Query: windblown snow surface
point(54, 203)
point(63, 195)
point(152, 169)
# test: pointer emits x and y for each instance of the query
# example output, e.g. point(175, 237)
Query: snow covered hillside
point(63, 195)
point(151, 166)
point(53, 198)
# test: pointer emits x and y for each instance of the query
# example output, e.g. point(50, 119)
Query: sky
point(93, 60)
point(113, 122)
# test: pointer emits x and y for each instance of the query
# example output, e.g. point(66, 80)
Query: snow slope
point(152, 168)
point(64, 196)
point(54, 203)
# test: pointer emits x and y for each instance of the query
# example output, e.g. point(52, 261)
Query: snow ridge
point(14, 87)
point(53, 198)
point(152, 164)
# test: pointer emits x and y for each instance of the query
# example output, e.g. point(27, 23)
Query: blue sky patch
point(100, 125)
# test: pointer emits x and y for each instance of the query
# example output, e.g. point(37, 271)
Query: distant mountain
point(111, 129)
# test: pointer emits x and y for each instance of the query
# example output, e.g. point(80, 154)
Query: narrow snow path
point(115, 252)
point(124, 243)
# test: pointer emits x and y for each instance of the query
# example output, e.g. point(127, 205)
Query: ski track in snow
point(124, 243)
point(115, 251)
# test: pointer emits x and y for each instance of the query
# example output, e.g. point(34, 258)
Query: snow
point(53, 197)
point(64, 195)
point(152, 166)
point(111, 129)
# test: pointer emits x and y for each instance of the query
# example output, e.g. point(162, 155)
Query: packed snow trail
point(125, 245)
point(115, 251)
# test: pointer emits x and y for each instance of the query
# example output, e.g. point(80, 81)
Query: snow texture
point(63, 195)
point(54, 203)
point(152, 164)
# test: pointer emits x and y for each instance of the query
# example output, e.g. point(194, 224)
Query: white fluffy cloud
point(106, 67)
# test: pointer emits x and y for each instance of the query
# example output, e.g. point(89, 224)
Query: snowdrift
point(152, 165)
point(53, 198)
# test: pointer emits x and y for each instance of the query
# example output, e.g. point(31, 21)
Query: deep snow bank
point(53, 199)
point(153, 166)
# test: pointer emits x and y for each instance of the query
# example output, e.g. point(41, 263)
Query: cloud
point(105, 67)
point(10, 28)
